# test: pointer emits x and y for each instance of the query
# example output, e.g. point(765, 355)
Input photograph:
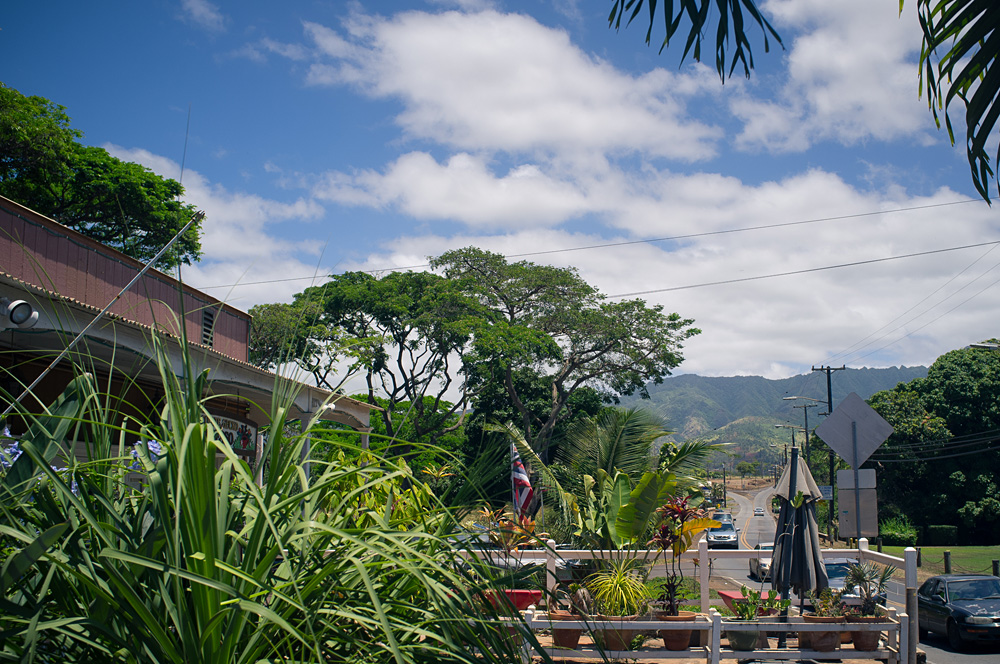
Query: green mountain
point(743, 410)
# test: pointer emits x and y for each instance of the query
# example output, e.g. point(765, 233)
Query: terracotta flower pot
point(675, 639)
point(821, 641)
point(565, 637)
point(865, 640)
point(616, 638)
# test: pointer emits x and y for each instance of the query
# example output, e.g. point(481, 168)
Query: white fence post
point(550, 573)
point(716, 635)
point(910, 556)
point(703, 570)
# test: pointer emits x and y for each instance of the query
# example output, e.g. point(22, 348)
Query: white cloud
point(504, 82)
point(238, 240)
point(852, 76)
point(462, 189)
point(204, 14)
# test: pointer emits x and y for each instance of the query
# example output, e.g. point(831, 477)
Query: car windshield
point(837, 570)
point(723, 529)
point(974, 589)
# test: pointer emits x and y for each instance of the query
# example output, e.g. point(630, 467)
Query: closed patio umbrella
point(797, 562)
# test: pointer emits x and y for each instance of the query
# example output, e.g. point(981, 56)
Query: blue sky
point(329, 136)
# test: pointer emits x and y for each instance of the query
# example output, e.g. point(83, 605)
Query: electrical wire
point(807, 271)
point(608, 245)
point(861, 345)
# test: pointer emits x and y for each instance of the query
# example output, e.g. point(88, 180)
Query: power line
point(937, 457)
point(807, 271)
point(858, 346)
point(607, 245)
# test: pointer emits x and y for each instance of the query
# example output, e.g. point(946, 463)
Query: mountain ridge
point(743, 411)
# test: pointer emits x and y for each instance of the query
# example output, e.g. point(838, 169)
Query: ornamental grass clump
point(344, 562)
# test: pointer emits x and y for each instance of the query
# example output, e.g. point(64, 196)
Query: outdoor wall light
point(17, 313)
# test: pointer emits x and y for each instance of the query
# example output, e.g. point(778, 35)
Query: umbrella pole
point(786, 570)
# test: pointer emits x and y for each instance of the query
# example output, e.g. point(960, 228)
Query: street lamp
point(805, 412)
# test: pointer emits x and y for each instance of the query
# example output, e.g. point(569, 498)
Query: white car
point(758, 511)
point(760, 567)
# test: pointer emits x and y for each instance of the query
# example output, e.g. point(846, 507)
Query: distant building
point(55, 281)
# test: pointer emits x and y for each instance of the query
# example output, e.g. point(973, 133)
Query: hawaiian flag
point(523, 492)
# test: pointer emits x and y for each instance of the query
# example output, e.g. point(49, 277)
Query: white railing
point(702, 557)
point(896, 630)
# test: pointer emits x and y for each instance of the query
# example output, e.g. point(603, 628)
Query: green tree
point(958, 55)
point(282, 333)
point(617, 439)
point(411, 329)
point(904, 476)
point(121, 204)
point(550, 320)
point(938, 463)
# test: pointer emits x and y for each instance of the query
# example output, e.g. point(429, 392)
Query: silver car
point(724, 537)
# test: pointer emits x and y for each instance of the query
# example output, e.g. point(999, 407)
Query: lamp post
point(805, 412)
point(794, 429)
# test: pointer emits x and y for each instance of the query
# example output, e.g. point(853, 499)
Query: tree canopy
point(940, 461)
point(548, 319)
point(958, 55)
point(521, 341)
point(121, 204)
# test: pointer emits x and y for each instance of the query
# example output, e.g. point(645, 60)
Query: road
point(754, 530)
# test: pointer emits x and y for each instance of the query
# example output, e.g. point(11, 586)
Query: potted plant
point(867, 580)
point(579, 608)
point(509, 534)
point(748, 609)
point(828, 607)
point(619, 593)
point(680, 525)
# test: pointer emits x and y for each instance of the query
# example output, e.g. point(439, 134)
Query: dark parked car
point(965, 607)
point(836, 573)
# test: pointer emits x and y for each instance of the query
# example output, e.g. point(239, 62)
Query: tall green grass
point(347, 563)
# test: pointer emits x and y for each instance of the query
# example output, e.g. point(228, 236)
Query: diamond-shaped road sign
point(854, 414)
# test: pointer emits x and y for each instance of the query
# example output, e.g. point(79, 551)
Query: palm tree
point(616, 443)
point(616, 439)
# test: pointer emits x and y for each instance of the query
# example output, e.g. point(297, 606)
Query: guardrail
point(703, 556)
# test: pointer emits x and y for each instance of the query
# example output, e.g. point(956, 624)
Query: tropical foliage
point(203, 564)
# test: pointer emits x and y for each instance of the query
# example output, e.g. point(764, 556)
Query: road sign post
point(854, 430)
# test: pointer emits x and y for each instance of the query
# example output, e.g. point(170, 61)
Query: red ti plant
point(680, 525)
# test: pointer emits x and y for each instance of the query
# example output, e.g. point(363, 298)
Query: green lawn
point(964, 559)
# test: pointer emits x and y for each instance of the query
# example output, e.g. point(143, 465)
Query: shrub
point(941, 535)
point(898, 531)
point(200, 564)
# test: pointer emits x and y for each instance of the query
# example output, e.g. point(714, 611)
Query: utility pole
point(829, 410)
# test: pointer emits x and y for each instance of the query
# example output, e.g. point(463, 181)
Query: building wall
point(44, 253)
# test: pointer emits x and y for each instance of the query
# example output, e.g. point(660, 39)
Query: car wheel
point(954, 637)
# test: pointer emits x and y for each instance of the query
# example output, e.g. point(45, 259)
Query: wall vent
point(207, 326)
